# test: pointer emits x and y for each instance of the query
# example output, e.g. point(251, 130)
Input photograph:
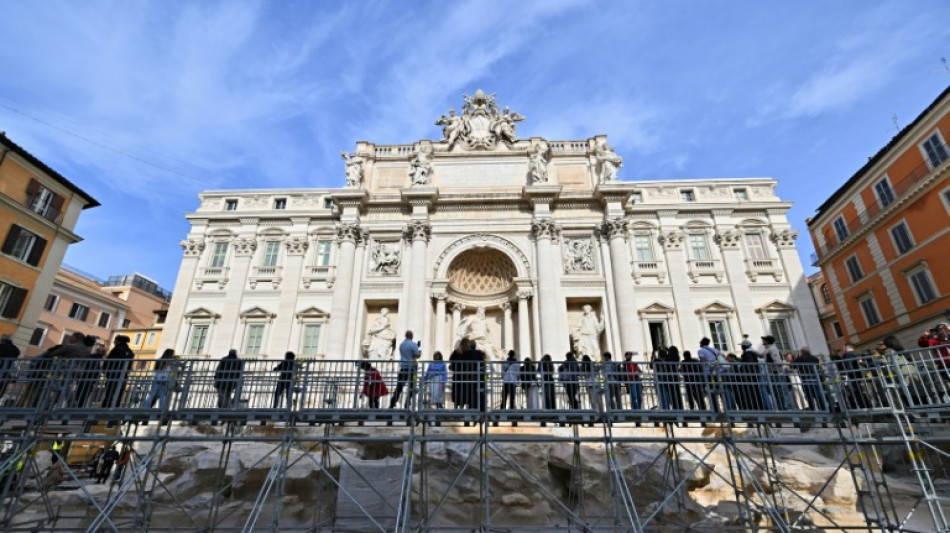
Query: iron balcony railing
point(96, 389)
point(40, 205)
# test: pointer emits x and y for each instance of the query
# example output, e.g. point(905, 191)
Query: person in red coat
point(939, 336)
point(373, 385)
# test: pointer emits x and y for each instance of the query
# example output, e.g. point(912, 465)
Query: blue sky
point(144, 104)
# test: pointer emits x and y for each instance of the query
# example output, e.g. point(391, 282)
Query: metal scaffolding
point(299, 447)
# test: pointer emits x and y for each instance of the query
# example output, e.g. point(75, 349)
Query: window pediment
point(715, 307)
point(202, 313)
point(257, 313)
point(312, 313)
point(657, 308)
point(775, 306)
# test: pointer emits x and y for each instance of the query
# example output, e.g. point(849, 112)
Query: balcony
point(642, 269)
point(218, 275)
point(868, 218)
point(763, 267)
point(695, 268)
point(266, 274)
point(324, 273)
point(41, 205)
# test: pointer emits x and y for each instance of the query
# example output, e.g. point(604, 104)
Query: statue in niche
point(380, 338)
point(610, 162)
point(475, 328)
point(421, 166)
point(452, 127)
point(578, 256)
point(538, 163)
point(585, 335)
point(354, 169)
point(386, 258)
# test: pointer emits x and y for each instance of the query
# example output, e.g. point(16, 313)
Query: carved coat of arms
point(481, 125)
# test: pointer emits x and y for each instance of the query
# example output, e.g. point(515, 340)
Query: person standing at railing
point(692, 373)
point(932, 338)
point(374, 387)
point(117, 366)
point(227, 378)
point(509, 380)
point(161, 380)
point(753, 380)
point(459, 391)
point(88, 373)
point(548, 390)
point(8, 355)
point(285, 381)
point(712, 367)
point(809, 370)
point(632, 377)
point(771, 358)
point(613, 376)
point(435, 378)
point(851, 368)
point(409, 351)
point(71, 356)
point(529, 384)
point(568, 373)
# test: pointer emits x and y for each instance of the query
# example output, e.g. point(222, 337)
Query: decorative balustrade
point(769, 267)
point(701, 267)
point(395, 150)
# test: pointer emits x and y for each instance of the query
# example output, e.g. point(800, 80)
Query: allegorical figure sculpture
point(586, 334)
point(481, 125)
point(421, 166)
point(538, 164)
point(386, 258)
point(452, 127)
point(610, 162)
point(354, 169)
point(475, 328)
point(578, 256)
point(378, 343)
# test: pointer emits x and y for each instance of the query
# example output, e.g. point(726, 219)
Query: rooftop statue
point(354, 169)
point(610, 162)
point(481, 125)
point(421, 166)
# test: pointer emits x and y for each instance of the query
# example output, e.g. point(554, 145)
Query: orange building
point(38, 212)
point(882, 239)
point(830, 323)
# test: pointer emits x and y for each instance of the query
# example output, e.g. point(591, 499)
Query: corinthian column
point(615, 229)
point(440, 322)
point(524, 325)
point(418, 233)
point(546, 233)
point(346, 236)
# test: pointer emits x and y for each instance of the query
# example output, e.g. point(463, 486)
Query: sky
point(144, 104)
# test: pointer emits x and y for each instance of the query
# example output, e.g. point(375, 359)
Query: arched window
point(825, 294)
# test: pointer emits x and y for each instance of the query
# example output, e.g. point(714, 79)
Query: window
point(935, 149)
point(779, 329)
point(755, 246)
point(323, 253)
point(79, 312)
point(825, 294)
point(126, 323)
point(151, 339)
point(717, 334)
point(854, 269)
point(24, 245)
point(687, 195)
point(311, 339)
point(698, 248)
point(230, 205)
point(868, 307)
point(280, 203)
point(51, 302)
point(923, 285)
point(254, 339)
point(199, 335)
point(885, 195)
point(837, 328)
point(218, 254)
point(271, 250)
point(104, 319)
point(36, 339)
point(841, 229)
point(11, 300)
point(636, 197)
point(137, 340)
point(328, 203)
point(43, 201)
point(644, 247)
point(741, 195)
point(902, 241)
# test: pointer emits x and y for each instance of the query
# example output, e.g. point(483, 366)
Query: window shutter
point(11, 239)
point(57, 202)
point(12, 309)
point(37, 252)
point(84, 314)
point(33, 187)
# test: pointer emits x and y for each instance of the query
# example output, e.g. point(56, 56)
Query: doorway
point(658, 337)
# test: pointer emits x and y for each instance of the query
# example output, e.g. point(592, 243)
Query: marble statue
point(610, 162)
point(354, 169)
point(538, 164)
point(586, 334)
point(452, 127)
point(378, 343)
point(481, 125)
point(475, 327)
point(503, 125)
point(578, 256)
point(386, 258)
point(421, 166)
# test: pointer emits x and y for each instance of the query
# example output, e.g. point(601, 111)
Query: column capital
point(458, 307)
point(524, 294)
point(439, 295)
point(728, 239)
point(417, 230)
point(297, 245)
point(545, 228)
point(193, 247)
point(672, 240)
point(505, 306)
point(615, 227)
point(784, 238)
point(349, 232)
point(244, 246)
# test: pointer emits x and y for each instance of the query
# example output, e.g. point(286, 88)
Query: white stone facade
point(529, 230)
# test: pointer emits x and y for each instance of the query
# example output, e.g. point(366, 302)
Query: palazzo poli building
point(487, 235)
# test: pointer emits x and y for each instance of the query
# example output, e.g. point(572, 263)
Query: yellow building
point(144, 340)
point(39, 209)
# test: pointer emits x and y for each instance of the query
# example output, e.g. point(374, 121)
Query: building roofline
point(877, 157)
point(33, 160)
